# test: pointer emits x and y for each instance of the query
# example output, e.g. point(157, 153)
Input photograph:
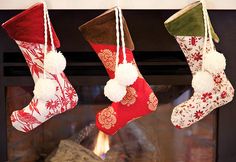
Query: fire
point(102, 145)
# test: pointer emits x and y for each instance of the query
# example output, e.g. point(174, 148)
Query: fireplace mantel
point(128, 4)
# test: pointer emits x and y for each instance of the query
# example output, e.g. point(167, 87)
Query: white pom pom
point(126, 74)
point(214, 62)
point(44, 89)
point(114, 91)
point(54, 62)
point(202, 82)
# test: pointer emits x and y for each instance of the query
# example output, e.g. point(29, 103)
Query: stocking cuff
point(188, 22)
point(28, 26)
point(102, 30)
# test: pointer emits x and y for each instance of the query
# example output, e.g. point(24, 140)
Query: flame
point(102, 145)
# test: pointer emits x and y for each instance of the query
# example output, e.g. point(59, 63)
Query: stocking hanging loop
point(54, 61)
point(207, 28)
point(118, 3)
point(47, 24)
point(213, 61)
point(125, 73)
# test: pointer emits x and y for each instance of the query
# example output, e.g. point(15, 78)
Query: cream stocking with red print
point(130, 101)
point(53, 93)
point(212, 89)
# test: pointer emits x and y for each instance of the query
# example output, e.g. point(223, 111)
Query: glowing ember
point(102, 145)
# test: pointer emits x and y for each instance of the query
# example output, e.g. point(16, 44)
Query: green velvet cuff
point(188, 22)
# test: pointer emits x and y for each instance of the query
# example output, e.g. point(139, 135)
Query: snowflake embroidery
point(198, 114)
point(206, 96)
point(70, 92)
point(197, 56)
point(52, 104)
point(217, 79)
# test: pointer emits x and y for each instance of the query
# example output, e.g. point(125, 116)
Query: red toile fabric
point(27, 29)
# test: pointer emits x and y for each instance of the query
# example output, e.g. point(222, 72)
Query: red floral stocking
point(139, 99)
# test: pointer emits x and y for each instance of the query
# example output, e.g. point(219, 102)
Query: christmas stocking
point(193, 31)
point(53, 93)
point(131, 95)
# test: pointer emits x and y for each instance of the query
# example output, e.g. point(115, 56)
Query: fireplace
point(151, 138)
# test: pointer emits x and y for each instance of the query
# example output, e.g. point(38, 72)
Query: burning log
point(130, 144)
point(73, 152)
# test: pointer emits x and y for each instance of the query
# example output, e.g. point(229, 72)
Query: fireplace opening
point(73, 134)
point(152, 138)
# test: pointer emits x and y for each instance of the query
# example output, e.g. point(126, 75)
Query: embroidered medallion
point(152, 103)
point(130, 97)
point(108, 58)
point(107, 118)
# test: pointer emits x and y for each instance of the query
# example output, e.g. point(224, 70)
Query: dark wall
point(148, 34)
point(225, 25)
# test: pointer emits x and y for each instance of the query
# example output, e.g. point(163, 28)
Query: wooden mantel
point(125, 4)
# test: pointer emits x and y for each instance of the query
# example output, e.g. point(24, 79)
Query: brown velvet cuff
point(102, 30)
